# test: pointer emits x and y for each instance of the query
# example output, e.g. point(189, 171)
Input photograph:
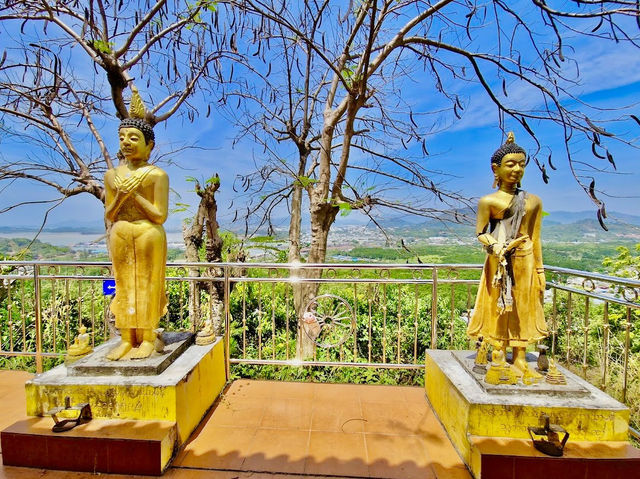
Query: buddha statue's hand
point(514, 243)
point(496, 249)
point(129, 185)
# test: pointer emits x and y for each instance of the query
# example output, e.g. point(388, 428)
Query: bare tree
point(65, 74)
point(330, 84)
point(66, 67)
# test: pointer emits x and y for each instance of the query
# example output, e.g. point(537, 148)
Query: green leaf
point(214, 180)
point(262, 239)
point(345, 208)
point(305, 181)
point(102, 46)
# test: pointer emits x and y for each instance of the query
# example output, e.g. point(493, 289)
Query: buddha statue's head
point(508, 162)
point(509, 147)
point(142, 126)
point(136, 134)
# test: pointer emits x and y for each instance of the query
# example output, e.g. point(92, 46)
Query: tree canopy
point(64, 73)
point(327, 89)
point(330, 80)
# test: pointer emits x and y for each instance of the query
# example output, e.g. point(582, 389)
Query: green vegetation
point(17, 248)
point(393, 321)
point(582, 256)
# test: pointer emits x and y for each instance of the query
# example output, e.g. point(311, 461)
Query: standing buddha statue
point(136, 203)
point(509, 305)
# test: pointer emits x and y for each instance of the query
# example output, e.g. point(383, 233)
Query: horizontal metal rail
point(398, 311)
point(309, 363)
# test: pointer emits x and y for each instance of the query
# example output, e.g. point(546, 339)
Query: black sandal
point(84, 416)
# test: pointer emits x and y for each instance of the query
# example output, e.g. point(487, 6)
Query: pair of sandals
point(62, 425)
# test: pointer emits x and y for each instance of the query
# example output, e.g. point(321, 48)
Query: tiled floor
point(277, 430)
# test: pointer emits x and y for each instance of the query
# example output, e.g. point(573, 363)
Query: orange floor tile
point(278, 430)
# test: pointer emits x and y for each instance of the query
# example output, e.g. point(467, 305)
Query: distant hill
point(558, 226)
point(567, 217)
point(38, 250)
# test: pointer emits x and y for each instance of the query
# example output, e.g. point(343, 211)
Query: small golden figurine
point(159, 342)
point(500, 372)
point(206, 335)
point(137, 203)
point(508, 311)
point(80, 348)
point(480, 363)
point(554, 376)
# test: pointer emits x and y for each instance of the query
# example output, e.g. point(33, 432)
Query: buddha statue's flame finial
point(138, 116)
point(136, 107)
point(511, 138)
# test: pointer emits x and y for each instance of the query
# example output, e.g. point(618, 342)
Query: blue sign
point(108, 287)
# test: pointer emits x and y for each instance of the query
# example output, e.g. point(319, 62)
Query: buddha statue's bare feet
point(143, 351)
point(120, 350)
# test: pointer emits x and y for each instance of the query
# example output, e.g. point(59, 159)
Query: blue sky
point(609, 78)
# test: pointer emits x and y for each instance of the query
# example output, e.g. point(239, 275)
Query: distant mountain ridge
point(557, 226)
point(567, 217)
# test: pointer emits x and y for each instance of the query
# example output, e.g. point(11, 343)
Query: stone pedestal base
point(139, 420)
point(102, 445)
point(502, 458)
point(182, 393)
point(468, 408)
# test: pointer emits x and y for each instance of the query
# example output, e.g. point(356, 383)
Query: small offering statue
point(80, 347)
point(509, 310)
point(137, 197)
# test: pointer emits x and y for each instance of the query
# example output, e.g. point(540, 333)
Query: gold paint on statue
point(508, 310)
point(500, 372)
point(137, 197)
point(554, 376)
point(81, 346)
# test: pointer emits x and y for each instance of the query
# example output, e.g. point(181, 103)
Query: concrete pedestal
point(182, 393)
point(468, 408)
point(167, 407)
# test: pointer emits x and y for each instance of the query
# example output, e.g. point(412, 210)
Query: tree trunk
point(205, 222)
point(323, 215)
point(295, 222)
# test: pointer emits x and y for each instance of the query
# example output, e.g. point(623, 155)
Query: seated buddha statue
point(81, 344)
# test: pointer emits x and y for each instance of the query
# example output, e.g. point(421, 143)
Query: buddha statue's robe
point(138, 249)
point(509, 311)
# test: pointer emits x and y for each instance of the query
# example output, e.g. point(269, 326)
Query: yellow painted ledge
point(465, 409)
point(182, 393)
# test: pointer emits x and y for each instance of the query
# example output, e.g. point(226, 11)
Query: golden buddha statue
point(80, 347)
point(509, 310)
point(554, 376)
point(500, 372)
point(137, 198)
point(207, 334)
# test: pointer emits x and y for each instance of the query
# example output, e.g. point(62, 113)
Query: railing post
point(605, 346)
point(38, 313)
point(554, 331)
point(627, 344)
point(227, 324)
point(434, 307)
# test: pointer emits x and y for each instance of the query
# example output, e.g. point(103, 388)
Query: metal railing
point(361, 315)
